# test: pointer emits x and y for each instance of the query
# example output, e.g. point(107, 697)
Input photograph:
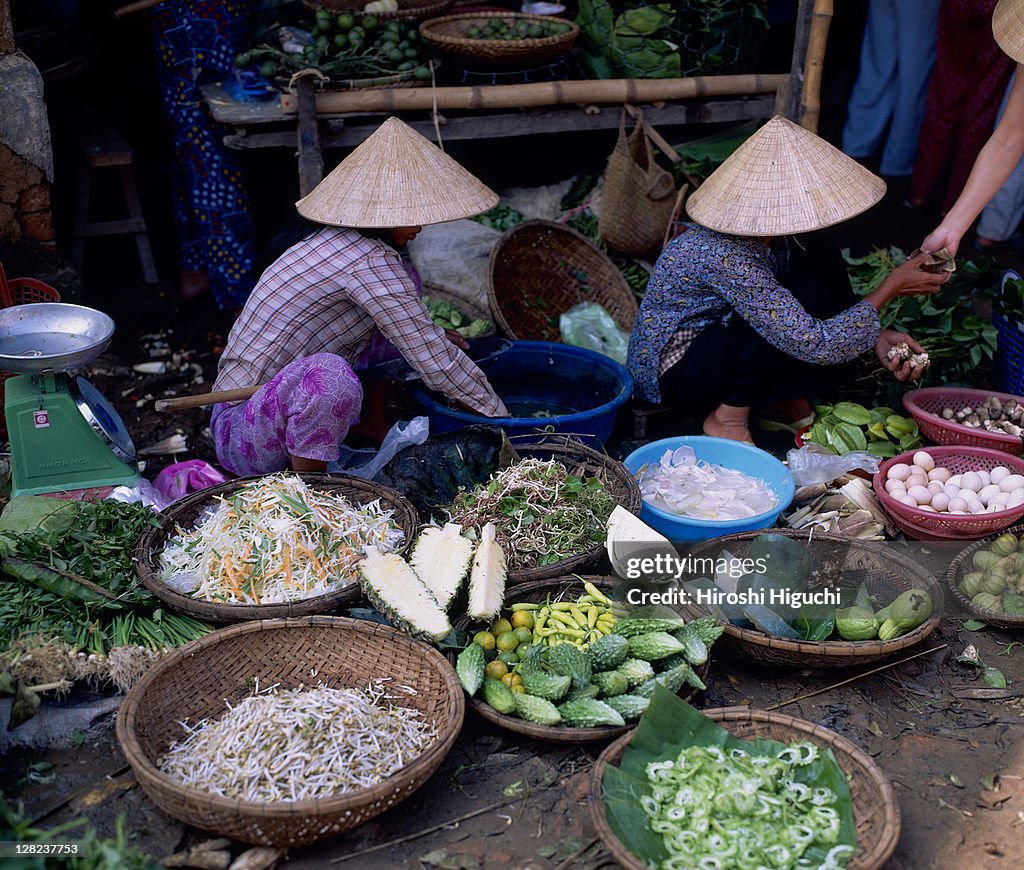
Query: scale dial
point(103, 419)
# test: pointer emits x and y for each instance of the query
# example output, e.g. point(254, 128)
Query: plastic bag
point(809, 465)
point(177, 480)
point(366, 463)
point(590, 326)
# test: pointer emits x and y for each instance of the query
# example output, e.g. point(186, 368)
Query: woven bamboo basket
point(448, 36)
point(194, 682)
point(539, 269)
point(889, 574)
point(186, 512)
point(408, 10)
point(585, 462)
point(558, 588)
point(876, 812)
point(955, 574)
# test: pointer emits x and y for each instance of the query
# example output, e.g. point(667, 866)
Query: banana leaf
point(667, 727)
point(815, 621)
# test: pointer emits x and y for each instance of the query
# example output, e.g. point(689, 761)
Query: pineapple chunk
point(487, 578)
point(393, 588)
point(441, 559)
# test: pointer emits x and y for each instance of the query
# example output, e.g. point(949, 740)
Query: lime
point(396, 56)
point(524, 635)
point(423, 73)
point(484, 639)
point(341, 41)
point(523, 649)
point(511, 680)
point(522, 619)
point(346, 22)
point(507, 641)
point(500, 626)
point(368, 22)
point(496, 670)
point(508, 657)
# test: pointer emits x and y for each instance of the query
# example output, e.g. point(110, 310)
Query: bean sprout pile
point(720, 809)
point(542, 513)
point(300, 744)
point(276, 540)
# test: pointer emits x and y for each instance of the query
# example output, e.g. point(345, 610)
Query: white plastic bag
point(809, 466)
point(366, 463)
point(590, 326)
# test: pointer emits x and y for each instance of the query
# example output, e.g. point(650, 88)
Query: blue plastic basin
point(716, 451)
point(578, 391)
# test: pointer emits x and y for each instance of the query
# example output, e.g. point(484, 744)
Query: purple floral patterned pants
point(305, 410)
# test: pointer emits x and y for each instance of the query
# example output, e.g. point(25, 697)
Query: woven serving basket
point(539, 269)
point(956, 572)
point(926, 526)
point(558, 589)
point(876, 812)
point(408, 10)
point(889, 574)
point(582, 461)
point(448, 36)
point(926, 407)
point(194, 682)
point(186, 512)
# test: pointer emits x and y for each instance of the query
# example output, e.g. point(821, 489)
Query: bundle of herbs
point(73, 607)
point(959, 343)
point(542, 513)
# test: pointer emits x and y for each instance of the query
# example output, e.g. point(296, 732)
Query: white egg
point(951, 490)
point(956, 481)
point(977, 507)
point(923, 459)
point(927, 507)
point(920, 494)
point(1011, 482)
point(940, 501)
point(989, 492)
point(985, 479)
point(1015, 499)
point(957, 505)
point(970, 480)
point(916, 479)
point(900, 471)
point(935, 487)
point(895, 486)
point(958, 513)
point(907, 500)
point(942, 475)
point(999, 501)
point(998, 473)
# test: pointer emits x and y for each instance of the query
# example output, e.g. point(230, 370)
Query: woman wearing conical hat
point(739, 310)
point(1005, 146)
point(328, 298)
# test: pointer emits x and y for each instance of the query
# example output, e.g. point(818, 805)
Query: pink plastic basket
point(926, 407)
point(926, 526)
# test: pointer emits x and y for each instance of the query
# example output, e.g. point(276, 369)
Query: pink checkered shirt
point(325, 295)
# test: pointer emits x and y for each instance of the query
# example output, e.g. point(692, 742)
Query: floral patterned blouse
point(705, 277)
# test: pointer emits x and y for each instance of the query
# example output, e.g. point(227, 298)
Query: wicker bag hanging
point(638, 195)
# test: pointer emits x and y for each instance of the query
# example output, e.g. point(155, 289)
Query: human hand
point(456, 339)
point(901, 367)
point(909, 279)
point(940, 238)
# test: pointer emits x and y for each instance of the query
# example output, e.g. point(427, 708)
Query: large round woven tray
point(558, 588)
point(194, 682)
point(448, 36)
point(408, 10)
point(582, 461)
point(876, 812)
point(891, 573)
point(955, 574)
point(539, 269)
point(187, 511)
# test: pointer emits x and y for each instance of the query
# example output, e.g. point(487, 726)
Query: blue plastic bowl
point(716, 451)
point(582, 390)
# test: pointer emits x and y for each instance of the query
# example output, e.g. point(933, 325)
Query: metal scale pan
point(51, 336)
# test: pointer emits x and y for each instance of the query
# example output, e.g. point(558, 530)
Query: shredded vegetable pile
point(300, 744)
point(276, 540)
point(681, 485)
point(542, 513)
point(719, 808)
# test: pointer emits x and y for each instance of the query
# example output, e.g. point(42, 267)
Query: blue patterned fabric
point(198, 39)
point(704, 277)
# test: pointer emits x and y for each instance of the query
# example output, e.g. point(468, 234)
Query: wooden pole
point(239, 395)
point(140, 6)
point(810, 97)
point(536, 94)
point(794, 86)
point(7, 44)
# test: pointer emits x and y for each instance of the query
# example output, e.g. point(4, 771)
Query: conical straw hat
point(783, 180)
point(396, 178)
point(1008, 27)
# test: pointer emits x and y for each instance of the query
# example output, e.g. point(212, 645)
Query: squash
point(906, 613)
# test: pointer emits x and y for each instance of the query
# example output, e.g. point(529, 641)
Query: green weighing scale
point(64, 434)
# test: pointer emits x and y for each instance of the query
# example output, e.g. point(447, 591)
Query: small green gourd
point(611, 683)
point(608, 652)
point(654, 645)
point(629, 707)
point(906, 613)
point(470, 668)
point(499, 696)
point(540, 711)
point(589, 713)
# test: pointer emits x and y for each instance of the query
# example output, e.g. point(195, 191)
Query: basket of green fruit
point(388, 10)
point(562, 663)
point(500, 38)
point(987, 578)
point(841, 602)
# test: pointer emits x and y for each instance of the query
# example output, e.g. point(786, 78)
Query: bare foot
point(729, 422)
